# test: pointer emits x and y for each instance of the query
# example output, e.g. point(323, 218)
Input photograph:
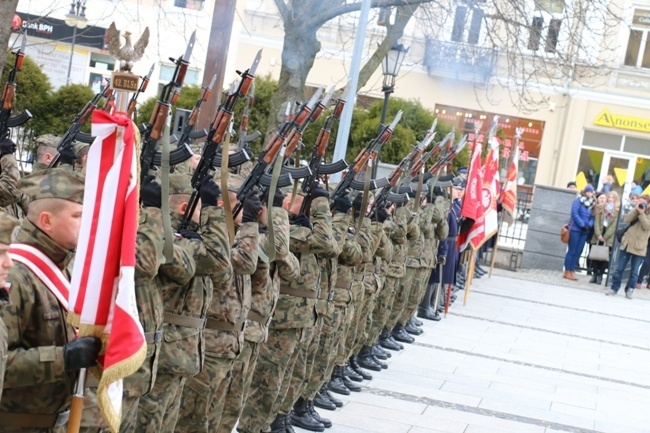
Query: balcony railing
point(459, 60)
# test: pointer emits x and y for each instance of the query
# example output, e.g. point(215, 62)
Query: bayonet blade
point(345, 95)
point(327, 97)
point(23, 45)
point(396, 120)
point(148, 76)
point(312, 102)
point(214, 80)
point(190, 47)
point(256, 61)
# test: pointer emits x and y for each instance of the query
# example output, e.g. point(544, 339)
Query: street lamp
point(390, 66)
point(76, 19)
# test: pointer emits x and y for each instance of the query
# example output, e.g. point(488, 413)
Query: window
point(196, 5)
point(167, 73)
point(545, 25)
point(464, 31)
point(637, 53)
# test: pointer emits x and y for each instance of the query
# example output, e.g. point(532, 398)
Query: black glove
point(342, 204)
point(81, 353)
point(7, 147)
point(278, 198)
point(442, 260)
point(318, 191)
point(150, 193)
point(210, 192)
point(252, 208)
point(190, 234)
point(356, 205)
point(382, 214)
point(302, 221)
point(67, 156)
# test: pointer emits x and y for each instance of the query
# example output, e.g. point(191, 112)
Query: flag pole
point(495, 249)
point(77, 405)
point(470, 274)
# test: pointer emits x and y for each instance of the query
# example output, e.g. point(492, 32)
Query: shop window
point(602, 141)
point(196, 5)
point(637, 146)
point(102, 62)
point(545, 25)
point(468, 20)
point(637, 53)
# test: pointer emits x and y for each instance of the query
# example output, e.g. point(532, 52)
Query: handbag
point(564, 233)
point(622, 229)
point(599, 253)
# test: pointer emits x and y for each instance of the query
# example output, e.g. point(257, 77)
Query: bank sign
point(618, 121)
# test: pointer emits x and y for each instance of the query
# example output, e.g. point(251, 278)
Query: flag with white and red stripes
point(509, 193)
point(102, 294)
point(472, 209)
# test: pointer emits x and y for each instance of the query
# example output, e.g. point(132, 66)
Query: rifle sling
point(277, 168)
point(418, 193)
point(366, 190)
point(168, 246)
point(227, 207)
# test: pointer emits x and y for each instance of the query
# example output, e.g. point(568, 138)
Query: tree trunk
point(6, 17)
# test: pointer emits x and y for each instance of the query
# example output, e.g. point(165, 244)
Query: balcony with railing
point(462, 61)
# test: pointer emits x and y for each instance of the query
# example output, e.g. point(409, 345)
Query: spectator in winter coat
point(580, 225)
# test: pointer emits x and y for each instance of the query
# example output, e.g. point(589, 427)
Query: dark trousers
point(645, 267)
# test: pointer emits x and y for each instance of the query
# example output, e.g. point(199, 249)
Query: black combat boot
point(354, 364)
point(352, 386)
point(401, 335)
point(325, 393)
point(279, 424)
point(378, 353)
point(300, 417)
point(387, 342)
point(395, 342)
point(424, 309)
point(412, 329)
point(351, 374)
point(336, 383)
point(312, 411)
point(415, 321)
point(321, 401)
point(365, 360)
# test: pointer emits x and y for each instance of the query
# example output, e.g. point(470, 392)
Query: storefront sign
point(618, 121)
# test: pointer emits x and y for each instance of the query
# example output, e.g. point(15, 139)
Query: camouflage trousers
point(302, 369)
point(138, 384)
point(383, 308)
point(342, 348)
point(241, 377)
point(202, 393)
point(372, 284)
point(158, 410)
point(418, 287)
point(358, 299)
point(402, 293)
point(324, 358)
point(272, 362)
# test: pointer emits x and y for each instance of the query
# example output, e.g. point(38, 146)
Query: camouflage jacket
point(231, 298)
point(415, 241)
point(427, 228)
point(350, 256)
point(148, 297)
point(265, 288)
point(297, 310)
point(396, 229)
point(188, 293)
point(4, 300)
point(12, 200)
point(35, 377)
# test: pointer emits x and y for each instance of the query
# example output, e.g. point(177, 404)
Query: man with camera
point(633, 247)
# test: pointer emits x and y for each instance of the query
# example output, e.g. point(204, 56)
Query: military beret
point(48, 140)
point(53, 183)
point(7, 225)
point(179, 183)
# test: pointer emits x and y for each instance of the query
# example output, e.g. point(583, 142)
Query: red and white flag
point(102, 295)
point(472, 208)
point(490, 194)
point(509, 193)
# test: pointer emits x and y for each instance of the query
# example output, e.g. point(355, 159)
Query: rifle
point(318, 152)
point(168, 97)
point(130, 110)
point(244, 137)
point(361, 161)
point(304, 118)
point(405, 186)
point(216, 136)
point(183, 152)
point(6, 121)
point(382, 196)
point(446, 159)
point(79, 121)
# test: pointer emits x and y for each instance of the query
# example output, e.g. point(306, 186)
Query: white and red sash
point(44, 269)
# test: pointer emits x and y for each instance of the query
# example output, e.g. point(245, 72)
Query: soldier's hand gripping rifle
point(6, 121)
point(361, 161)
point(74, 131)
point(316, 166)
point(168, 96)
point(183, 152)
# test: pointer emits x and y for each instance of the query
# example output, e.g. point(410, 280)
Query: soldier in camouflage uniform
point(294, 313)
point(43, 353)
point(7, 225)
point(187, 292)
point(265, 284)
point(45, 151)
point(224, 336)
point(12, 200)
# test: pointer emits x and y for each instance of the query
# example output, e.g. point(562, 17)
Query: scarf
point(609, 213)
point(587, 202)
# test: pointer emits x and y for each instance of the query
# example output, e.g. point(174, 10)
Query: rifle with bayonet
point(445, 159)
point(6, 121)
point(183, 152)
point(360, 163)
point(130, 110)
point(304, 118)
point(318, 153)
point(79, 121)
point(405, 186)
point(382, 196)
point(168, 97)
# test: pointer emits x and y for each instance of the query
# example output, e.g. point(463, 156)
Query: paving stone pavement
point(525, 355)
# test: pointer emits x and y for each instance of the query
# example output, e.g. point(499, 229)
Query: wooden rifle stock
point(159, 117)
point(8, 101)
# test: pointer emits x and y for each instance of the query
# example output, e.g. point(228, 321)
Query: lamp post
point(76, 19)
point(390, 66)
